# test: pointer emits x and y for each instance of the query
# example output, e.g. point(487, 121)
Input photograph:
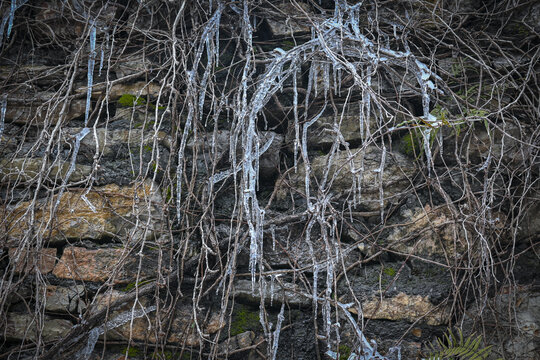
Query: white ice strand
point(247, 116)
point(315, 79)
point(9, 17)
point(380, 171)
point(305, 155)
point(254, 215)
point(266, 325)
point(326, 79)
point(107, 37)
point(277, 332)
point(90, 75)
point(296, 122)
point(326, 308)
point(78, 138)
point(120, 320)
point(423, 75)
point(273, 233)
point(180, 161)
point(211, 27)
point(311, 80)
point(271, 290)
point(315, 295)
point(367, 350)
point(3, 108)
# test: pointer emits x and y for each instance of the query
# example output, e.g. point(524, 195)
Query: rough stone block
point(26, 260)
point(64, 299)
point(24, 327)
point(404, 307)
point(346, 176)
point(30, 168)
point(104, 212)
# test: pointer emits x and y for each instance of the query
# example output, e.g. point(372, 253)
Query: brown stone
point(26, 260)
point(404, 307)
point(104, 300)
point(322, 134)
point(64, 299)
point(100, 265)
point(24, 327)
point(106, 211)
point(140, 88)
point(182, 331)
point(23, 169)
point(429, 232)
point(284, 22)
point(238, 342)
point(106, 139)
point(133, 64)
point(91, 265)
point(345, 168)
point(26, 108)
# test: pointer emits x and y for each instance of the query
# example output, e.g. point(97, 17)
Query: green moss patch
point(244, 319)
point(129, 100)
point(390, 271)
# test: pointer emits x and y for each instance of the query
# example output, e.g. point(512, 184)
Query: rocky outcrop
point(128, 213)
point(101, 265)
point(281, 180)
point(363, 172)
point(25, 260)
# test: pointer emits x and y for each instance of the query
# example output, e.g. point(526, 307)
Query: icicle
point(296, 122)
point(103, 52)
point(315, 291)
point(316, 80)
point(335, 76)
point(88, 203)
point(311, 81)
point(91, 63)
point(3, 108)
point(211, 27)
point(14, 6)
point(180, 162)
point(271, 290)
point(423, 75)
point(78, 138)
point(9, 17)
point(273, 233)
point(327, 309)
point(305, 154)
point(12, 9)
point(326, 79)
point(380, 170)
point(120, 320)
point(277, 332)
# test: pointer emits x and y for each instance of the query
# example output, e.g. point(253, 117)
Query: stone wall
point(336, 173)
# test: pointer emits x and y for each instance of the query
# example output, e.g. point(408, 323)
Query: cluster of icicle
point(7, 19)
point(329, 38)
